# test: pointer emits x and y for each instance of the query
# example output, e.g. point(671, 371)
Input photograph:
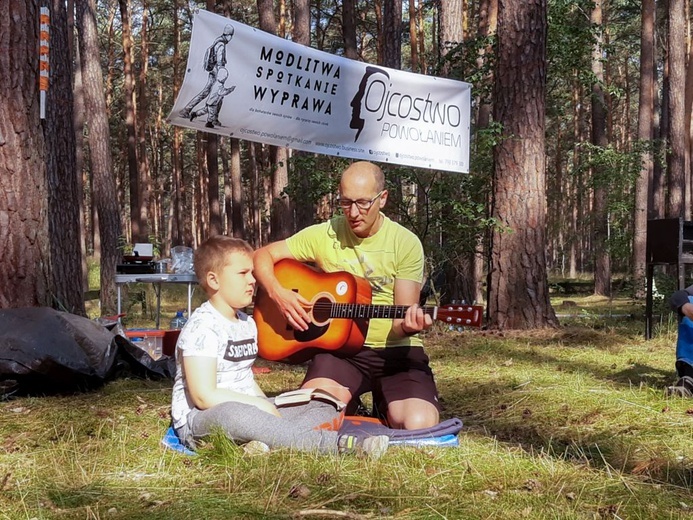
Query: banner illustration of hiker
point(242, 82)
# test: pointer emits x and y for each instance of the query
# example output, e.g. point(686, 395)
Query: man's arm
point(201, 381)
point(415, 320)
point(679, 302)
point(291, 304)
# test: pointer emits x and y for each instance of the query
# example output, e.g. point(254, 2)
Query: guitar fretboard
point(355, 311)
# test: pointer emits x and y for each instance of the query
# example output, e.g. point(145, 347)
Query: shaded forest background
point(580, 133)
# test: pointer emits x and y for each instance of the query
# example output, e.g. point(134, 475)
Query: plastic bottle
point(178, 321)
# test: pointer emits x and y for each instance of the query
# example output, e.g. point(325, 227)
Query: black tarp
point(45, 351)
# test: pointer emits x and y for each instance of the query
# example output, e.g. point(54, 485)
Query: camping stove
point(135, 264)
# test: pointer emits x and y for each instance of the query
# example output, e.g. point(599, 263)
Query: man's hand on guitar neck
point(415, 320)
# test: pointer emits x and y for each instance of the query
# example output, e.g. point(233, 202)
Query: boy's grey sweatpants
point(296, 428)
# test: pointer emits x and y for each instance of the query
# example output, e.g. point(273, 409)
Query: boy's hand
point(266, 406)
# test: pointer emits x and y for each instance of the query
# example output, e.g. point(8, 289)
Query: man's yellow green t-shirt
point(393, 252)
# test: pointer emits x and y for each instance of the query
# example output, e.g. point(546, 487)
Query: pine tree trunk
point(518, 286)
point(25, 251)
point(211, 182)
point(451, 30)
point(214, 205)
point(130, 124)
point(658, 205)
point(645, 133)
point(488, 24)
point(145, 202)
point(392, 34)
point(105, 199)
point(61, 169)
point(281, 218)
point(304, 209)
point(176, 231)
point(676, 158)
point(602, 259)
point(255, 193)
point(460, 269)
point(238, 225)
point(349, 29)
point(78, 125)
point(413, 38)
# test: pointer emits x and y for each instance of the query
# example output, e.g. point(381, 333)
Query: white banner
point(245, 83)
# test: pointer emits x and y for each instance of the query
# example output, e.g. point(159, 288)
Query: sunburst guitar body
point(340, 312)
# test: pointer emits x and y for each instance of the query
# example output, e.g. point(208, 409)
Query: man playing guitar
point(363, 241)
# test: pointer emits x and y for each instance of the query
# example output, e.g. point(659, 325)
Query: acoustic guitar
point(340, 312)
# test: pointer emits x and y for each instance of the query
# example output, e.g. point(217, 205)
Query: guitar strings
point(365, 309)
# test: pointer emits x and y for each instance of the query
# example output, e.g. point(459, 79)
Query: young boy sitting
point(215, 389)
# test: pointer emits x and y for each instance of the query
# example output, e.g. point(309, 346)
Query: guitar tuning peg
point(464, 302)
point(454, 302)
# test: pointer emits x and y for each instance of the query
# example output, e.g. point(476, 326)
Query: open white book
point(304, 395)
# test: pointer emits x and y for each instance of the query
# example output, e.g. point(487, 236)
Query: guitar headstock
point(461, 314)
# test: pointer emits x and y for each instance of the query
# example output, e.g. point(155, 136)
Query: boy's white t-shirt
point(233, 344)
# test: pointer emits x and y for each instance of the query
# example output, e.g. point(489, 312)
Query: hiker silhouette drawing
point(214, 62)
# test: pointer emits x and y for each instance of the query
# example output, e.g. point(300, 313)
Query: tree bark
point(392, 34)
point(25, 251)
point(78, 125)
point(61, 169)
point(131, 124)
point(301, 26)
point(212, 153)
point(212, 150)
point(645, 133)
point(602, 259)
point(145, 204)
point(676, 158)
point(176, 231)
point(305, 210)
point(349, 29)
point(518, 284)
point(658, 204)
point(458, 266)
point(488, 24)
point(413, 38)
point(105, 199)
point(281, 218)
point(451, 32)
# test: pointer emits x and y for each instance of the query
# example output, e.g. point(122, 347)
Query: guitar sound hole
point(321, 310)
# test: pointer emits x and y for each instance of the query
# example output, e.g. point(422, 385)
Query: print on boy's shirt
point(241, 350)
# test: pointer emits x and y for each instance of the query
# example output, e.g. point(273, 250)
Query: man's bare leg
point(340, 392)
point(412, 414)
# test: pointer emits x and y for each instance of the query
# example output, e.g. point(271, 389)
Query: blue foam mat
point(441, 441)
point(172, 442)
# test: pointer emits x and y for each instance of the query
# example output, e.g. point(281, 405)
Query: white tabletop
point(156, 278)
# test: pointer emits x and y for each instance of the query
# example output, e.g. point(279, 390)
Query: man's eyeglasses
point(361, 204)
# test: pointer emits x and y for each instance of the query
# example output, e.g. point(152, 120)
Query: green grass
point(559, 424)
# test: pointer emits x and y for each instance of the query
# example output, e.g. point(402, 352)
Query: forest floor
point(561, 423)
